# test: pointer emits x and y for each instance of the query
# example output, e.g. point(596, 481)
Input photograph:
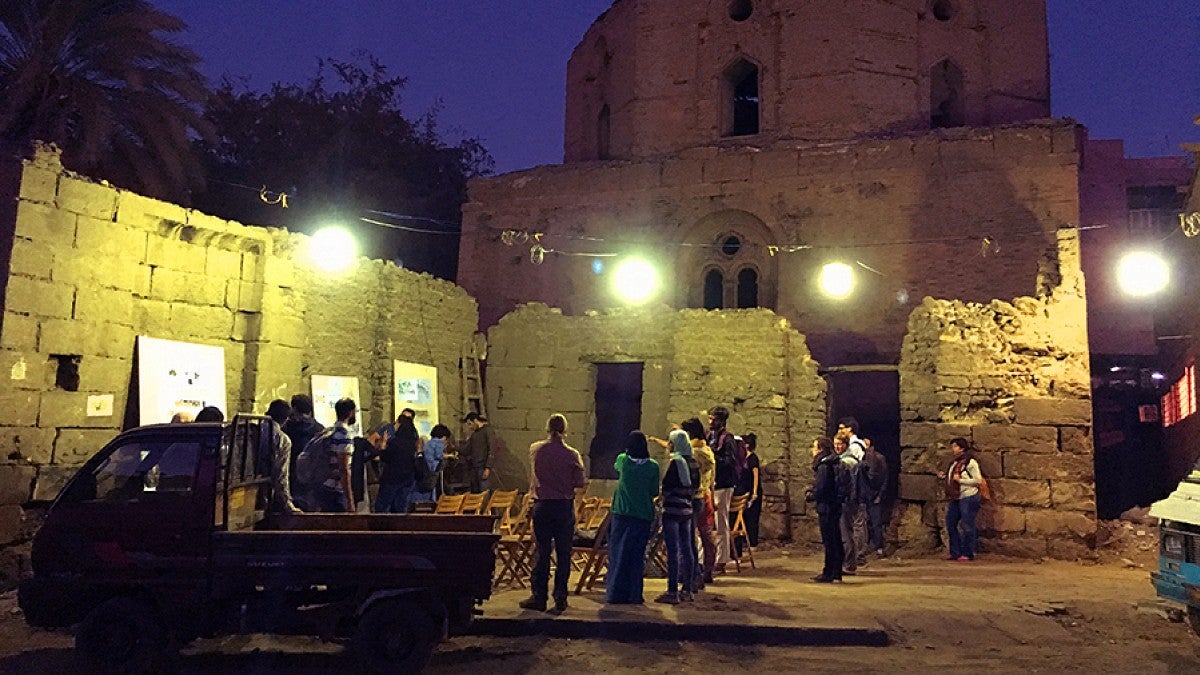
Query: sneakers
point(687, 596)
point(963, 558)
point(534, 603)
point(880, 553)
point(668, 598)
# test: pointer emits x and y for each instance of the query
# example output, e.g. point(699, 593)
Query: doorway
point(618, 412)
point(871, 395)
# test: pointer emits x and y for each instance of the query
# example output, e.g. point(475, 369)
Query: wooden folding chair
point(594, 557)
point(515, 549)
point(472, 503)
point(449, 504)
point(501, 504)
point(583, 510)
point(737, 509)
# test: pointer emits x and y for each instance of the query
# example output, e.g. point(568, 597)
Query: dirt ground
point(992, 615)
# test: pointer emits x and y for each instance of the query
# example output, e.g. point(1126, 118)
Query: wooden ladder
point(472, 381)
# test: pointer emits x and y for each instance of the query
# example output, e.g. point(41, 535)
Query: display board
point(415, 386)
point(328, 390)
point(178, 377)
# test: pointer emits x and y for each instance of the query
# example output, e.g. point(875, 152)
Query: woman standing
point(963, 480)
point(750, 483)
point(702, 505)
point(632, 515)
point(826, 466)
point(398, 476)
point(678, 488)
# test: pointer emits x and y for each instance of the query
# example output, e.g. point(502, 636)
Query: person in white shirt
point(963, 480)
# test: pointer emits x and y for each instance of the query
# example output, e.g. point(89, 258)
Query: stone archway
point(723, 253)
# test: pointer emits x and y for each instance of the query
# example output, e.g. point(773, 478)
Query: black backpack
point(426, 478)
point(844, 477)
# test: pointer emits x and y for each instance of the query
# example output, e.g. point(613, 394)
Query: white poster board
point(178, 377)
point(328, 390)
point(415, 386)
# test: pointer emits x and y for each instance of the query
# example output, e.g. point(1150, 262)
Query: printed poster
point(327, 390)
point(416, 387)
point(178, 377)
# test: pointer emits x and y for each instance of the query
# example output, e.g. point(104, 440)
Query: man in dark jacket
point(477, 454)
point(872, 483)
point(300, 428)
point(827, 466)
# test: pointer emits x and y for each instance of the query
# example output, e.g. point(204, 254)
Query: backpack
point(312, 465)
point(985, 491)
point(726, 462)
point(844, 477)
point(426, 478)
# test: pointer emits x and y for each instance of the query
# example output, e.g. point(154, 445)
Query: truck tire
point(121, 635)
point(395, 636)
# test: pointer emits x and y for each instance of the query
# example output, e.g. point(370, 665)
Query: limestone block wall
point(1013, 378)
point(541, 361)
point(93, 267)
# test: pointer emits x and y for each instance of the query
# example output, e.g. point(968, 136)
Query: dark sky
point(1125, 68)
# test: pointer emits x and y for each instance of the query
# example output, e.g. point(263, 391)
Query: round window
point(943, 10)
point(731, 246)
point(740, 10)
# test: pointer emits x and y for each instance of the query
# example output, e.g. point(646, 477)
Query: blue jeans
point(681, 556)
point(875, 525)
point(392, 498)
point(962, 513)
point(627, 539)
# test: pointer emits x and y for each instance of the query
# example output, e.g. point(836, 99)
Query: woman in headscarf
point(678, 488)
point(632, 516)
point(963, 480)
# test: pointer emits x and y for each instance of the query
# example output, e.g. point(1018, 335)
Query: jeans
point(721, 499)
point(393, 498)
point(852, 520)
point(829, 518)
point(553, 530)
point(875, 518)
point(962, 513)
point(330, 500)
point(627, 539)
point(702, 515)
point(478, 482)
point(681, 556)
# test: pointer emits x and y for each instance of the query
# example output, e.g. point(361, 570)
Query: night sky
point(1125, 68)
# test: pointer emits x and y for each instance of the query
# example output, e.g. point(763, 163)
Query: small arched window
point(747, 288)
point(742, 101)
point(714, 290)
point(946, 105)
point(604, 134)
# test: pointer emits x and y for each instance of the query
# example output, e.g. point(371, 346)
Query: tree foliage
point(340, 147)
point(97, 78)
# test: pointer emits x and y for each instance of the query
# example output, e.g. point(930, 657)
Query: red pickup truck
point(166, 535)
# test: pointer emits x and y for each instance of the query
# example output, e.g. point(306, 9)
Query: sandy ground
point(994, 615)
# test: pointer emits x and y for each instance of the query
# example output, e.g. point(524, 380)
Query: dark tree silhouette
point(99, 79)
point(340, 147)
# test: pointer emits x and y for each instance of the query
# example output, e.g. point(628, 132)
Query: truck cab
point(1178, 575)
point(170, 532)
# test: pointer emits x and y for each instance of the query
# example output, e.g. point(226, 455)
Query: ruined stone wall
point(916, 209)
point(1012, 378)
point(94, 267)
point(828, 69)
point(751, 361)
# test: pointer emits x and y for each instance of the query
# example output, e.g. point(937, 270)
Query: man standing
point(478, 452)
point(724, 447)
point(336, 494)
point(829, 508)
point(872, 482)
point(281, 455)
point(850, 505)
point(557, 470)
point(301, 428)
point(856, 448)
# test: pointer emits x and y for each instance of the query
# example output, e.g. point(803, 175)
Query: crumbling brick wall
point(93, 267)
point(1013, 378)
point(752, 361)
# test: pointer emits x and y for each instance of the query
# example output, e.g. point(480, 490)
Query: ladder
point(472, 381)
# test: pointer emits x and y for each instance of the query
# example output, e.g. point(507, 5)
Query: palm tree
point(97, 78)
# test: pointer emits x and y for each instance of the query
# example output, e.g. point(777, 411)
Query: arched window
point(604, 134)
point(747, 289)
point(742, 100)
point(946, 107)
point(714, 290)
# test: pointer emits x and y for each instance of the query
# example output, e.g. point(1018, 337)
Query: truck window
point(138, 470)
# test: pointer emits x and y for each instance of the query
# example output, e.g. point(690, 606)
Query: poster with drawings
point(178, 377)
point(327, 390)
point(415, 386)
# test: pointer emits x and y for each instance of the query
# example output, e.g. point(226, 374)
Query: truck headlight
point(1172, 546)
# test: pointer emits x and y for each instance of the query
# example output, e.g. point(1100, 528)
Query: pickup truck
point(1178, 575)
point(168, 534)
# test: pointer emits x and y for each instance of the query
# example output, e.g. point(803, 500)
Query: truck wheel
point(395, 636)
point(121, 635)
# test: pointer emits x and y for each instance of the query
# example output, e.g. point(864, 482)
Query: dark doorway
point(873, 398)
point(714, 290)
point(741, 82)
point(618, 412)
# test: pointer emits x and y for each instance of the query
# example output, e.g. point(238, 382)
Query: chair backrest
point(599, 514)
point(601, 542)
point(583, 510)
point(449, 504)
point(739, 503)
point(501, 504)
point(473, 503)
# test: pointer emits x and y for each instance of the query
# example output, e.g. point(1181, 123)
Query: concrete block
point(140, 280)
point(1015, 492)
point(39, 298)
point(204, 322)
point(106, 375)
point(1053, 411)
point(523, 398)
point(1001, 518)
point(69, 409)
point(40, 222)
point(32, 258)
point(101, 304)
point(285, 330)
point(16, 484)
point(921, 488)
point(176, 255)
point(103, 240)
point(990, 463)
point(25, 370)
point(1060, 466)
point(146, 213)
point(1073, 496)
point(224, 264)
point(1004, 437)
point(152, 317)
point(26, 445)
point(86, 198)
point(279, 272)
point(76, 446)
point(19, 332)
point(51, 480)
point(38, 184)
point(1058, 523)
point(64, 336)
point(196, 289)
point(18, 408)
point(1075, 440)
point(1028, 547)
point(12, 521)
point(925, 434)
point(247, 327)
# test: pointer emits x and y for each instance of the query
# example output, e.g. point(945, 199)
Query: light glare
point(635, 281)
point(1143, 274)
point(837, 280)
point(332, 249)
